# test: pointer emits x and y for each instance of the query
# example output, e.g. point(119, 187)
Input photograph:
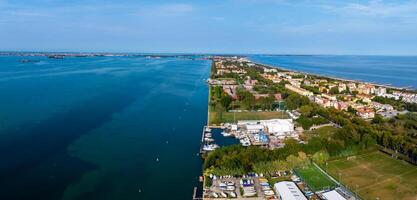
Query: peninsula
point(307, 135)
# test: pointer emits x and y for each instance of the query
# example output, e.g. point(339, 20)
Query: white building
point(254, 128)
point(333, 195)
point(278, 126)
point(287, 190)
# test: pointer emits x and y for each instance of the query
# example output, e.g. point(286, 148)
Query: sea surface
point(399, 71)
point(101, 127)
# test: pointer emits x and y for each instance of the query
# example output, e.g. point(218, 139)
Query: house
point(342, 87)
point(340, 105)
point(298, 90)
point(351, 86)
point(278, 97)
point(380, 91)
point(365, 113)
point(328, 96)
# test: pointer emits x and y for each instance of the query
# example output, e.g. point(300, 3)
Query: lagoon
point(101, 127)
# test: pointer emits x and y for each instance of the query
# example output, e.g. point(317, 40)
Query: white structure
point(287, 190)
point(333, 195)
point(254, 128)
point(234, 127)
point(278, 126)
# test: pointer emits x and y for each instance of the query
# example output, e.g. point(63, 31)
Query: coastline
point(407, 88)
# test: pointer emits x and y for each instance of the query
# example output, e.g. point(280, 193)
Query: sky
point(375, 27)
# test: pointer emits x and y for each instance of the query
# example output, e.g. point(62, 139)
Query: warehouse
point(278, 126)
point(287, 190)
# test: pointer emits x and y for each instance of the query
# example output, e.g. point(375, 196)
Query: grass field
point(314, 178)
point(377, 175)
point(223, 117)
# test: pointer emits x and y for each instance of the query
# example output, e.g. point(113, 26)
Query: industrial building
point(287, 190)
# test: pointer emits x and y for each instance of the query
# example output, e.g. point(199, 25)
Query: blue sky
point(212, 26)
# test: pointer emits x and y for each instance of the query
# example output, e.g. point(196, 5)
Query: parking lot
point(246, 187)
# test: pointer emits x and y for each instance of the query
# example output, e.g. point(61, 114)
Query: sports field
point(314, 178)
point(376, 175)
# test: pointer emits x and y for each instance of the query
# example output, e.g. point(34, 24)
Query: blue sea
point(399, 71)
point(101, 127)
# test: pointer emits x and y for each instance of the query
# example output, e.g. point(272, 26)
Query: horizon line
point(201, 53)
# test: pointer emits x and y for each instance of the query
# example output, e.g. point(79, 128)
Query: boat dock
point(207, 141)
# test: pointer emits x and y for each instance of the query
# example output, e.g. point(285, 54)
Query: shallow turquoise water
point(93, 128)
point(400, 71)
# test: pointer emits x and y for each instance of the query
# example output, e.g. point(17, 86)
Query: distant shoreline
point(407, 88)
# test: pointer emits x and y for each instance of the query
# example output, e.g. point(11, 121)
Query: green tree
point(334, 90)
point(225, 101)
point(321, 157)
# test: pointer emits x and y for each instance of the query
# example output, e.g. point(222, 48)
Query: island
point(306, 136)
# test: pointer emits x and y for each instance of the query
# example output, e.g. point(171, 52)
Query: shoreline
point(407, 88)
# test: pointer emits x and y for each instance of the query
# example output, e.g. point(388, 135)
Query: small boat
point(230, 183)
point(230, 188)
point(210, 147)
point(224, 195)
point(232, 194)
point(208, 139)
point(226, 134)
point(157, 159)
point(207, 129)
point(215, 195)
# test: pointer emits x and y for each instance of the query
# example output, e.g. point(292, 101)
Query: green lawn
point(314, 178)
point(376, 175)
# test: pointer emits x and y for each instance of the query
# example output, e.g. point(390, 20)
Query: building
point(231, 90)
point(254, 128)
point(298, 90)
point(287, 190)
point(278, 126)
point(366, 113)
point(366, 89)
point(333, 195)
point(380, 91)
point(328, 96)
point(278, 97)
point(342, 87)
point(351, 86)
point(340, 105)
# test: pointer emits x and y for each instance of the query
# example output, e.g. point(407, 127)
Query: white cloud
point(376, 8)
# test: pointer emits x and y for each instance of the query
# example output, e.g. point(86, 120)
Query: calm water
point(398, 71)
point(93, 128)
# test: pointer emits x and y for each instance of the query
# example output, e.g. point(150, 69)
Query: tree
point(294, 101)
point(304, 161)
point(266, 102)
point(321, 157)
point(306, 110)
point(225, 101)
point(293, 161)
point(334, 90)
